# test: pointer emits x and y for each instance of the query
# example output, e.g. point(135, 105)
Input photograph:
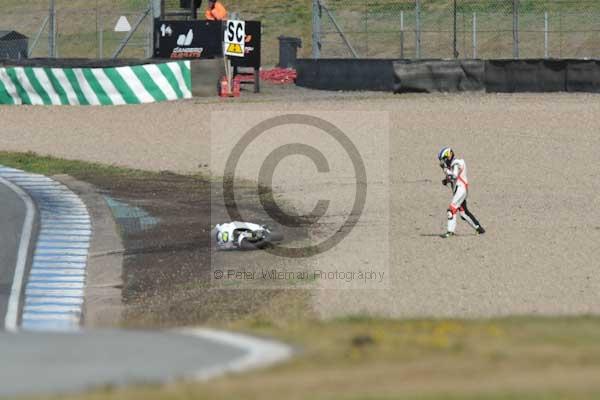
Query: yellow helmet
point(445, 156)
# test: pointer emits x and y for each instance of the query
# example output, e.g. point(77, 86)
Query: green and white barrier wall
point(96, 86)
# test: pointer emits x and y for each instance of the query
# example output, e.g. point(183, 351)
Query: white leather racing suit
point(456, 175)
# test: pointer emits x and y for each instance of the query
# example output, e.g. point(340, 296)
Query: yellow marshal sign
point(234, 49)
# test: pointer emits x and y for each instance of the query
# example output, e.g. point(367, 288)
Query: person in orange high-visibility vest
point(215, 11)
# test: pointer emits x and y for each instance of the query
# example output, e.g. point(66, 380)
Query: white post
point(546, 34)
point(402, 21)
point(474, 35)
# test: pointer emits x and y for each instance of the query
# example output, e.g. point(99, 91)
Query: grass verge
point(363, 358)
point(46, 165)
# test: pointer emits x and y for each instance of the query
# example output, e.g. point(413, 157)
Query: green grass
point(47, 165)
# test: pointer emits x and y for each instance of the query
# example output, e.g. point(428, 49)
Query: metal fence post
point(515, 13)
point(316, 29)
point(52, 29)
point(98, 33)
point(150, 35)
point(474, 35)
point(366, 29)
point(157, 6)
point(546, 34)
point(157, 14)
point(402, 34)
point(193, 11)
point(418, 29)
point(454, 44)
point(100, 36)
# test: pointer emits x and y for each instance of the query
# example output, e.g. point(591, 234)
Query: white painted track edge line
point(11, 319)
point(259, 353)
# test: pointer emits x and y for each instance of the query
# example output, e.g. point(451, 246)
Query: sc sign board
point(235, 35)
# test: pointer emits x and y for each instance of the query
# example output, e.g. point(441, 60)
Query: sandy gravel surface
point(534, 184)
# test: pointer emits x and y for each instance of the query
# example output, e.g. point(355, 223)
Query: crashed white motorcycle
point(238, 235)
